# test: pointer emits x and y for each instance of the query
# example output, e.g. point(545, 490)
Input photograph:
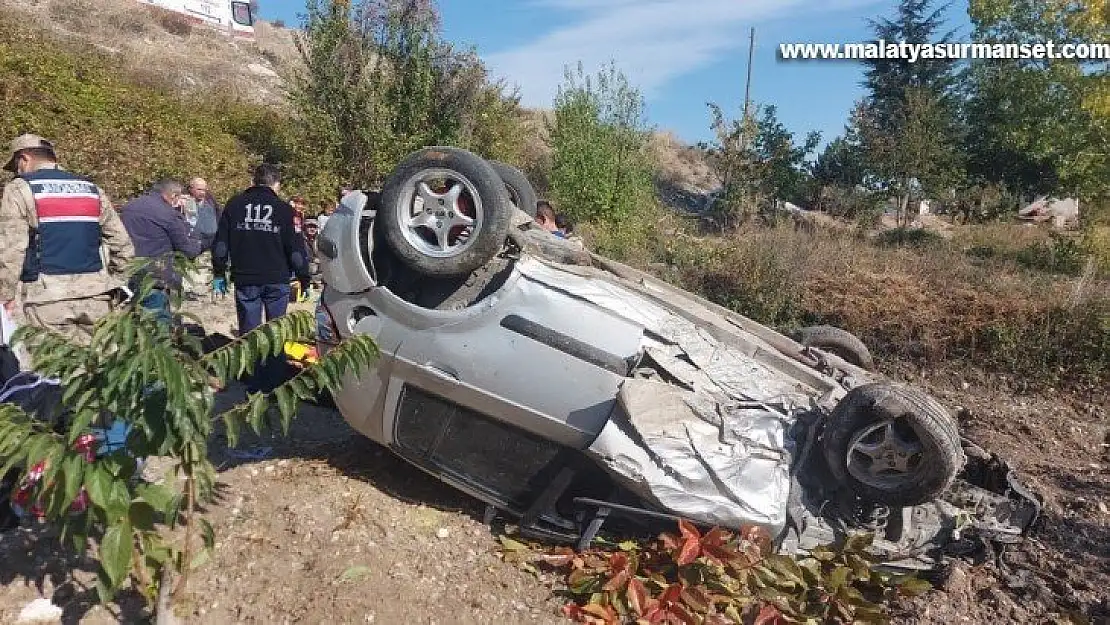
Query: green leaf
point(914, 586)
point(859, 543)
point(98, 483)
point(141, 514)
point(785, 569)
point(508, 544)
point(258, 407)
point(115, 553)
point(119, 499)
point(232, 428)
point(74, 476)
point(287, 404)
point(208, 535)
point(861, 569)
point(837, 578)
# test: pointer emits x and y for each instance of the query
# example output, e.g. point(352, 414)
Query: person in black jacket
point(257, 239)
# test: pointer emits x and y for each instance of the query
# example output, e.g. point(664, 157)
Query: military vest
point(67, 240)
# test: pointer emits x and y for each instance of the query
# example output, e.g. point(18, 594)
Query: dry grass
point(681, 165)
point(930, 304)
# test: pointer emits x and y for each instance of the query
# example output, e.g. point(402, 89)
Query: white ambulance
point(231, 16)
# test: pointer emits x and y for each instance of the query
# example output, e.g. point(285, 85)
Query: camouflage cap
point(25, 142)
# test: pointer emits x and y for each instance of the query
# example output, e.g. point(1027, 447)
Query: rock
point(39, 611)
point(261, 70)
point(1102, 508)
point(443, 533)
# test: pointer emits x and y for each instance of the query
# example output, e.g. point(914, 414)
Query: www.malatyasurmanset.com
point(914, 52)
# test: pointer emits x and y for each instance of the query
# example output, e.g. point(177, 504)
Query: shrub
point(157, 381)
point(919, 238)
point(173, 23)
point(721, 577)
point(122, 136)
point(379, 81)
point(924, 304)
point(600, 167)
point(1061, 254)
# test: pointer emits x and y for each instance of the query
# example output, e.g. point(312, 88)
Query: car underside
point(568, 391)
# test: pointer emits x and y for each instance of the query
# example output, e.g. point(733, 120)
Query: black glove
point(305, 283)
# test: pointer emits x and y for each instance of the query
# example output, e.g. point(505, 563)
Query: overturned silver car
point(567, 390)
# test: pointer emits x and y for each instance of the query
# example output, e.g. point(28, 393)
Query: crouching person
point(53, 225)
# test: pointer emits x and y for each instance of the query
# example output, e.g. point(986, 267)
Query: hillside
point(163, 49)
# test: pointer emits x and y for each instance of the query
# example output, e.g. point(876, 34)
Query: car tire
point(521, 192)
point(893, 445)
point(445, 240)
point(840, 342)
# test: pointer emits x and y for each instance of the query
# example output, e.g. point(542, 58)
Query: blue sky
point(681, 53)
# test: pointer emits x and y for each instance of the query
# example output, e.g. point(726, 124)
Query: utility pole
point(748, 84)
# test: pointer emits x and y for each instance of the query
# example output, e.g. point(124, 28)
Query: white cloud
point(652, 41)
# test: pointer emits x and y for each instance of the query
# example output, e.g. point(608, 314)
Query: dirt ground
point(326, 527)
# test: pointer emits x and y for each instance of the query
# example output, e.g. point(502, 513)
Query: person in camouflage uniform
point(54, 229)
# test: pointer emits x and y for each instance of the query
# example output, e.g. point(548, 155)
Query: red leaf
point(637, 596)
point(759, 537)
point(696, 599)
point(670, 595)
point(769, 615)
point(682, 615)
point(716, 537)
point(721, 554)
point(619, 581)
point(604, 615)
point(573, 611)
point(688, 530)
point(690, 551)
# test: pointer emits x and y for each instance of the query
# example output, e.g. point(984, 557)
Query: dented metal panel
point(728, 466)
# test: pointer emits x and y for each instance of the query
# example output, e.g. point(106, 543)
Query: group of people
point(64, 247)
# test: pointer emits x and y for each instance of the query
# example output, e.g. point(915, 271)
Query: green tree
point(379, 81)
point(601, 170)
point(157, 380)
point(841, 176)
point(909, 124)
point(1040, 125)
point(759, 163)
point(888, 81)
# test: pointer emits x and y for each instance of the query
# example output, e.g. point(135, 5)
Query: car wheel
point(892, 445)
point(445, 212)
point(840, 342)
point(521, 192)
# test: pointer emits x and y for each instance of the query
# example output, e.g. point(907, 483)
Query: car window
point(491, 455)
point(241, 13)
